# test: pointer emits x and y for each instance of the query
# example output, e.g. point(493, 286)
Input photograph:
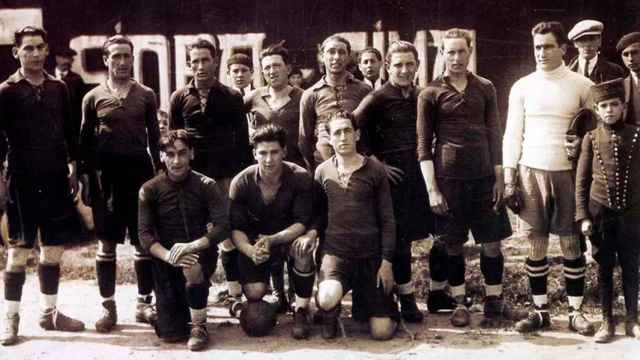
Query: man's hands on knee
point(304, 245)
point(385, 276)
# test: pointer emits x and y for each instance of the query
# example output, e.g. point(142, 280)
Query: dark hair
point(201, 43)
point(371, 50)
point(28, 31)
point(276, 49)
point(239, 58)
point(551, 27)
point(116, 39)
point(340, 115)
point(295, 71)
point(269, 133)
point(169, 139)
point(336, 38)
point(457, 33)
point(162, 113)
point(401, 46)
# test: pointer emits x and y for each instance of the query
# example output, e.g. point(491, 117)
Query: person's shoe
point(494, 307)
point(145, 311)
point(439, 300)
point(537, 320)
point(109, 317)
point(461, 316)
point(10, 330)
point(631, 328)
point(606, 332)
point(580, 324)
point(52, 319)
point(409, 309)
point(300, 328)
point(199, 338)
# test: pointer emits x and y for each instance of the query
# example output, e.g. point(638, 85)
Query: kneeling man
point(359, 232)
point(270, 209)
point(182, 218)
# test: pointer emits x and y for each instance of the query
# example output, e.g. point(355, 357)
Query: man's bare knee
point(570, 246)
point(51, 255)
point(193, 274)
point(17, 259)
point(329, 294)
point(254, 291)
point(538, 245)
point(303, 263)
point(382, 328)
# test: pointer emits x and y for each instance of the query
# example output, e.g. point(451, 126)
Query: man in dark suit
point(75, 84)
point(586, 36)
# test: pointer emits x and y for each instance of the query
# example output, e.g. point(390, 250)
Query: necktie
point(586, 68)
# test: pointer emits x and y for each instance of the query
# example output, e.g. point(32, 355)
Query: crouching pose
point(271, 208)
point(608, 203)
point(182, 217)
point(359, 232)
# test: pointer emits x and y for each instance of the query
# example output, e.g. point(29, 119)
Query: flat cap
point(625, 41)
point(607, 90)
point(585, 27)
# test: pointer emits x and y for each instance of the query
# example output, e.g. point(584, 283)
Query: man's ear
point(14, 51)
point(563, 47)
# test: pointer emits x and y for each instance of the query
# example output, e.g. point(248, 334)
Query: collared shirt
point(359, 221)
point(178, 212)
point(465, 125)
point(60, 74)
point(316, 105)
point(114, 127)
point(250, 213)
point(374, 85)
point(220, 132)
point(287, 116)
point(37, 123)
point(592, 64)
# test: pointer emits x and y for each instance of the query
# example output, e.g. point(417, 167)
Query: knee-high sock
point(144, 274)
point(106, 274)
point(492, 269)
point(303, 286)
point(232, 273)
point(456, 268)
point(438, 266)
point(13, 283)
point(402, 269)
point(49, 276)
point(538, 271)
point(277, 275)
point(574, 281)
point(197, 296)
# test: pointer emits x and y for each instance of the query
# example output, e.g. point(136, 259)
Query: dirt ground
point(435, 339)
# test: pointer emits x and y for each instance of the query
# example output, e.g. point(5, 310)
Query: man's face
point(610, 110)
point(163, 125)
point(588, 46)
point(547, 52)
point(270, 156)
point(31, 53)
point(296, 80)
point(343, 136)
point(177, 159)
point(402, 68)
point(119, 62)
point(240, 75)
point(275, 71)
point(63, 63)
point(370, 66)
point(631, 57)
point(456, 54)
point(335, 57)
point(202, 63)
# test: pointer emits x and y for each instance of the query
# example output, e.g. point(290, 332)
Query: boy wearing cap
point(608, 203)
point(586, 36)
point(629, 49)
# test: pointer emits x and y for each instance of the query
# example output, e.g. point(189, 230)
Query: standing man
point(359, 232)
point(75, 84)
point(463, 176)
point(586, 36)
point(336, 91)
point(541, 106)
point(240, 69)
point(42, 155)
point(629, 49)
point(388, 115)
point(271, 209)
point(119, 132)
point(182, 218)
point(213, 115)
point(370, 63)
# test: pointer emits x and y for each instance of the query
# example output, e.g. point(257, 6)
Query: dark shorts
point(115, 198)
point(44, 204)
point(251, 273)
point(360, 276)
point(471, 208)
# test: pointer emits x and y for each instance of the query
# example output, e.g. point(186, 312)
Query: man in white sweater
point(541, 106)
